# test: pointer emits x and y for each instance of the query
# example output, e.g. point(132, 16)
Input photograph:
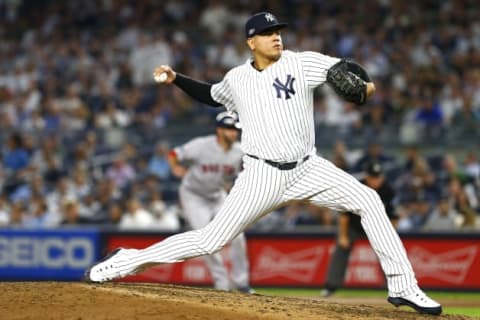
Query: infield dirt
point(75, 300)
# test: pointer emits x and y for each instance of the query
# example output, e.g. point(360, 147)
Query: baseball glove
point(349, 80)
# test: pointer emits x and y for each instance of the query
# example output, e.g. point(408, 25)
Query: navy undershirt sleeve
point(196, 89)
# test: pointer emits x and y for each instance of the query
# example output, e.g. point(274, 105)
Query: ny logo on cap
point(269, 17)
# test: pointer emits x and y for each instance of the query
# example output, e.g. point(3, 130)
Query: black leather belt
point(281, 165)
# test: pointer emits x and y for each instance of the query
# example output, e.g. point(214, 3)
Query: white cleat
point(418, 301)
point(106, 269)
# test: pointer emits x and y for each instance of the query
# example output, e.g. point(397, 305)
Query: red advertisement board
point(303, 261)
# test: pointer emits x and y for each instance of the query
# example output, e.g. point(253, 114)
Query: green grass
point(471, 297)
point(472, 312)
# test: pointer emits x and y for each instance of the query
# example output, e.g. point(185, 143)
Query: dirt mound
point(64, 300)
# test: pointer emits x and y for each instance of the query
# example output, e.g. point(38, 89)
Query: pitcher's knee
point(209, 244)
point(214, 246)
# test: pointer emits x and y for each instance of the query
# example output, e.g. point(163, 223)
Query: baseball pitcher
point(273, 95)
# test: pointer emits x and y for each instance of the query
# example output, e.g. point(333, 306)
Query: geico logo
point(50, 252)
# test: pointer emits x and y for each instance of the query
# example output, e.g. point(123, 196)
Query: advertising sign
point(47, 254)
point(303, 261)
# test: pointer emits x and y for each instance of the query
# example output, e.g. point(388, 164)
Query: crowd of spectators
point(83, 123)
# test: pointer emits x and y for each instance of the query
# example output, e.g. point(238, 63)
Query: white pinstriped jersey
point(210, 166)
point(275, 106)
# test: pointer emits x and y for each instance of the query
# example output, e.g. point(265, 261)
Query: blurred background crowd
point(85, 130)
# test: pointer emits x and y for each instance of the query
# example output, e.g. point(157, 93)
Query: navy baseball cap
point(227, 120)
point(261, 22)
point(374, 169)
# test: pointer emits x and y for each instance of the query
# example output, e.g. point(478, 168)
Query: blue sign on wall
point(61, 254)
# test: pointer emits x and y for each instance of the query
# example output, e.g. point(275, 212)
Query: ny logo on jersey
point(286, 87)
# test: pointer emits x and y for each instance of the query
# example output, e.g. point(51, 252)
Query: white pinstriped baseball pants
point(260, 188)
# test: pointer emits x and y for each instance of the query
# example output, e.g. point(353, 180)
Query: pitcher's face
point(267, 44)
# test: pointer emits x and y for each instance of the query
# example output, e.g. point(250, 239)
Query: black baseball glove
point(349, 80)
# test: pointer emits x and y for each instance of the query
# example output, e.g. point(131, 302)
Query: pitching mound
point(63, 300)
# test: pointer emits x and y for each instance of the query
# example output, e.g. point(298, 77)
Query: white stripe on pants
point(260, 188)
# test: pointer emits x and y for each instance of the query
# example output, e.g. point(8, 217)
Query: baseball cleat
point(418, 301)
point(246, 290)
point(104, 270)
point(325, 293)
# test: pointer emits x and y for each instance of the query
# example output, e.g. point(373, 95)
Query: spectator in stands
point(443, 217)
point(71, 106)
point(471, 166)
point(115, 213)
point(350, 121)
point(15, 157)
point(79, 155)
point(53, 170)
point(158, 164)
point(375, 120)
point(420, 207)
point(111, 117)
point(421, 179)
point(159, 114)
point(120, 172)
point(452, 98)
point(90, 208)
point(450, 169)
point(413, 211)
point(430, 117)
point(27, 191)
point(106, 193)
point(39, 216)
point(61, 194)
point(148, 53)
point(460, 201)
point(52, 116)
point(136, 216)
point(80, 186)
point(17, 214)
point(215, 18)
point(130, 152)
point(4, 211)
point(48, 148)
point(71, 213)
point(412, 156)
point(374, 153)
point(343, 157)
point(339, 158)
point(91, 144)
point(467, 120)
point(166, 217)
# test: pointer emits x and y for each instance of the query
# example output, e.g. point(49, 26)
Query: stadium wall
point(441, 260)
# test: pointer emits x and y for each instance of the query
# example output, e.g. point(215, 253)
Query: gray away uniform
point(202, 192)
